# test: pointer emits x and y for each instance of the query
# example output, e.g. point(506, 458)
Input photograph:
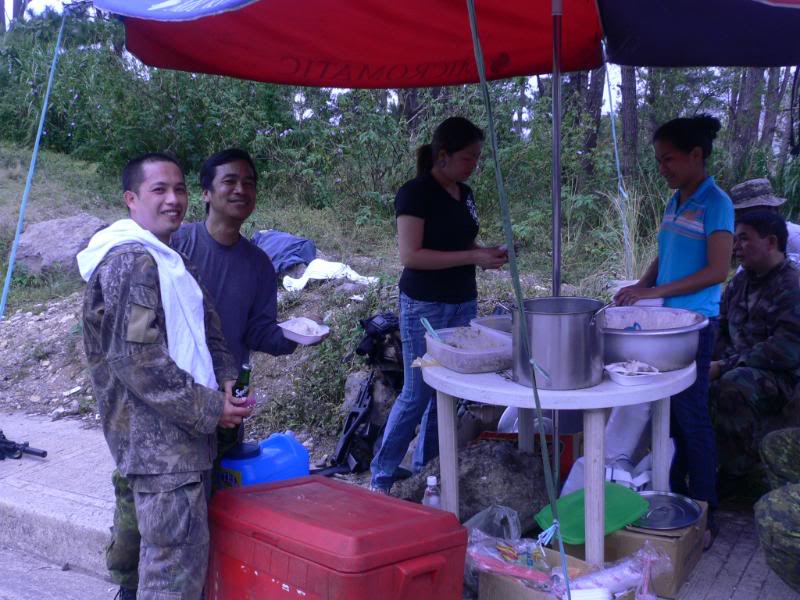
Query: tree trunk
point(17, 11)
point(594, 105)
point(409, 105)
point(776, 88)
point(630, 121)
point(747, 114)
point(785, 137)
point(522, 104)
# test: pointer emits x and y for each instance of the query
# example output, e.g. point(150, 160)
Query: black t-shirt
point(450, 225)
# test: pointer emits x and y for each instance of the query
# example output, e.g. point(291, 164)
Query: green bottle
point(242, 386)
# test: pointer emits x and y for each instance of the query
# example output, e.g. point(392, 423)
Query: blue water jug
point(278, 457)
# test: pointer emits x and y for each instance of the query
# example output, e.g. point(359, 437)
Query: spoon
point(429, 328)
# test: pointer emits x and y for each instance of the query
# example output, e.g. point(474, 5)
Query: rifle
point(343, 460)
point(9, 449)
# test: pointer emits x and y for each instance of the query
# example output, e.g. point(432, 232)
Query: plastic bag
point(498, 521)
point(516, 558)
point(623, 575)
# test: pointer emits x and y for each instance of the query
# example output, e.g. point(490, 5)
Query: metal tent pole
point(556, 197)
point(556, 108)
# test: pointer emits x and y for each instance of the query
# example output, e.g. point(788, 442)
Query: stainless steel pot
point(565, 340)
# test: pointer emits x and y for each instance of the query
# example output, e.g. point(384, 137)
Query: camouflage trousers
point(172, 514)
point(122, 553)
point(777, 514)
point(745, 402)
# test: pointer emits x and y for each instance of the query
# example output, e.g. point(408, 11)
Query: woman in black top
point(437, 225)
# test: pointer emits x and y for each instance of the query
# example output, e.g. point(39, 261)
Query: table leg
point(448, 451)
point(526, 430)
point(661, 445)
point(594, 423)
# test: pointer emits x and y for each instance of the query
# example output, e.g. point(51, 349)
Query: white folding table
point(492, 388)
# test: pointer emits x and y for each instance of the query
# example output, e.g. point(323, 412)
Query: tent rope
point(32, 169)
point(513, 267)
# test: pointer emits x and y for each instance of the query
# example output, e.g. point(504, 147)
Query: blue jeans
point(417, 400)
point(695, 446)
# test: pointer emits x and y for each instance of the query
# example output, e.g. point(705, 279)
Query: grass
point(61, 187)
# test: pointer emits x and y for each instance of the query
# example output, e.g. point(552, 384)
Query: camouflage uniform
point(759, 349)
point(159, 424)
point(777, 513)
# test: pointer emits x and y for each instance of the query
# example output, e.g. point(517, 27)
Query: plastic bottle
point(432, 496)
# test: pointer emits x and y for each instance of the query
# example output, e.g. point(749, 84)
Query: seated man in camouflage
point(777, 513)
point(757, 366)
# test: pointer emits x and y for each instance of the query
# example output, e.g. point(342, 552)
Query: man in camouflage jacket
point(159, 423)
point(757, 367)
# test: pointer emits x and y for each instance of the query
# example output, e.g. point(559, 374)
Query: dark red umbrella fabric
point(358, 43)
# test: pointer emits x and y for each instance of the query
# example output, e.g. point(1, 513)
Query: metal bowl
point(667, 340)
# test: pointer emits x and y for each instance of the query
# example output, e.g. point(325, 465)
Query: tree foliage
point(349, 150)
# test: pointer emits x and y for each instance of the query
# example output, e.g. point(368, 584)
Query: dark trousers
point(690, 424)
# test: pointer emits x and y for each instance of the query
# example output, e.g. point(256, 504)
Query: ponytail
point(424, 159)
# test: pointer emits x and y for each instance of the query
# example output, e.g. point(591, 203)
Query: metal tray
point(668, 511)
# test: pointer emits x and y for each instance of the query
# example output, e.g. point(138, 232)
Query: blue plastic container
point(276, 458)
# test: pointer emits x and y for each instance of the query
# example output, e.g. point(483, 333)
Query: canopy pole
point(556, 108)
point(556, 201)
point(23, 205)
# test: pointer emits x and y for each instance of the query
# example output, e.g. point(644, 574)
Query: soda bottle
point(432, 496)
point(241, 388)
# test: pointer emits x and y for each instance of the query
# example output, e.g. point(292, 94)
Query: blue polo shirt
point(682, 243)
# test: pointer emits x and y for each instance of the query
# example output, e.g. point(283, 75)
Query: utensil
point(666, 338)
point(429, 328)
point(668, 511)
point(565, 341)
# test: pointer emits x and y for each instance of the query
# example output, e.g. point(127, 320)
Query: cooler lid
point(338, 525)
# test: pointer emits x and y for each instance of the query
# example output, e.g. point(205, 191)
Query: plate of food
point(632, 372)
point(303, 330)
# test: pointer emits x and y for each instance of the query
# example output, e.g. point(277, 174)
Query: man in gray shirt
point(238, 274)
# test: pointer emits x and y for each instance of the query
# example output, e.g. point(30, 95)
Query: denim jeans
point(417, 400)
point(695, 446)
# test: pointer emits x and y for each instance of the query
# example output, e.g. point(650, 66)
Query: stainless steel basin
point(667, 340)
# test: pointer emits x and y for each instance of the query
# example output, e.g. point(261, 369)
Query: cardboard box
point(683, 546)
point(500, 587)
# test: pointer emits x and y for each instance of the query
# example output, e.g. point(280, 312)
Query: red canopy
point(360, 44)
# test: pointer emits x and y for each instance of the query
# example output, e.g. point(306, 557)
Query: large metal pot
point(565, 340)
point(666, 338)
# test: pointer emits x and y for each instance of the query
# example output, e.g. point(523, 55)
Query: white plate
point(303, 330)
point(640, 379)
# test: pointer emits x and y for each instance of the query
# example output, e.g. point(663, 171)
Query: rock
point(348, 288)
point(490, 472)
point(383, 397)
point(52, 245)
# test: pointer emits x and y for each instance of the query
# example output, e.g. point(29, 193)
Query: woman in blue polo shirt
point(694, 253)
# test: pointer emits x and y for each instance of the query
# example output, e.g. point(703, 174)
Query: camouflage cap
point(754, 192)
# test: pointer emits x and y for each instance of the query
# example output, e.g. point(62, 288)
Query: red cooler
point(315, 538)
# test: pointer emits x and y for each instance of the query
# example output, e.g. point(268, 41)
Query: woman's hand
point(633, 293)
point(490, 258)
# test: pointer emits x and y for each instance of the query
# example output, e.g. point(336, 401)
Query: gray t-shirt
point(242, 282)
